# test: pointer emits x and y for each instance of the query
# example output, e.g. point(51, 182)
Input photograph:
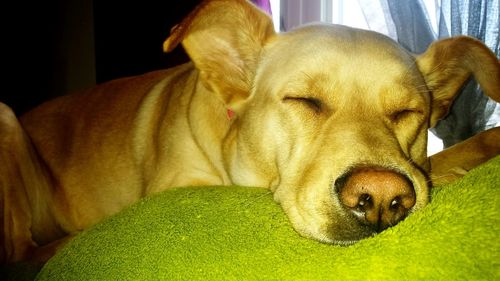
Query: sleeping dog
point(333, 120)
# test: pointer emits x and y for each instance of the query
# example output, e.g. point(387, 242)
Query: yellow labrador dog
point(333, 120)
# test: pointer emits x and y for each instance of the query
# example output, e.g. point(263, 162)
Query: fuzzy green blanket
point(238, 233)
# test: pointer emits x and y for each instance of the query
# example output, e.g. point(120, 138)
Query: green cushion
point(240, 233)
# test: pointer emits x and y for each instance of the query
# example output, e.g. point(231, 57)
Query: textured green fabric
point(239, 233)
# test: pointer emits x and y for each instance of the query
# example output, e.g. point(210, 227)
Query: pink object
point(230, 114)
point(264, 5)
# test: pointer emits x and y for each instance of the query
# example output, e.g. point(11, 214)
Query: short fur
point(309, 105)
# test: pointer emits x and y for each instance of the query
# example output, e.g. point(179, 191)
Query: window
point(365, 14)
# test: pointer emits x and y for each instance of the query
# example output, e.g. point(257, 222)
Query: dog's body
point(323, 116)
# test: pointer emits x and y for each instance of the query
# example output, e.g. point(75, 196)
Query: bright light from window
point(434, 144)
point(275, 9)
point(348, 13)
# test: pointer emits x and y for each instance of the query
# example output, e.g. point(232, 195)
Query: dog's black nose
point(377, 197)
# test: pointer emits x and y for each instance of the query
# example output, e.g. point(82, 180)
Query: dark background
point(57, 47)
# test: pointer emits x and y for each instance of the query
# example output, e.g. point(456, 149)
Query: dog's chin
point(350, 241)
point(341, 241)
point(338, 234)
point(350, 237)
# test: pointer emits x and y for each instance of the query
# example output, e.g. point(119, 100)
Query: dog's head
point(332, 119)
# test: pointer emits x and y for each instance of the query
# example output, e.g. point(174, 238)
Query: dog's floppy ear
point(448, 63)
point(224, 39)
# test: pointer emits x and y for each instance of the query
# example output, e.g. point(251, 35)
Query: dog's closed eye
point(313, 103)
point(401, 115)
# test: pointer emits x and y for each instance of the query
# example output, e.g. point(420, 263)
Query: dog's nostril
point(377, 197)
point(364, 202)
point(396, 203)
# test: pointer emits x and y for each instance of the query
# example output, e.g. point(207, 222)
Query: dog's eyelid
point(314, 103)
point(403, 113)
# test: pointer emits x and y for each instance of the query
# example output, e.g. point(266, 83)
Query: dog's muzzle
point(377, 197)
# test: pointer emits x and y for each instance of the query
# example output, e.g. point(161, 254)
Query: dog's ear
point(224, 39)
point(448, 63)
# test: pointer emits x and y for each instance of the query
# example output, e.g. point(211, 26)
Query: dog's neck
point(210, 122)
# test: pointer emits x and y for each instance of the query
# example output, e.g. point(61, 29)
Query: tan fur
point(80, 158)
